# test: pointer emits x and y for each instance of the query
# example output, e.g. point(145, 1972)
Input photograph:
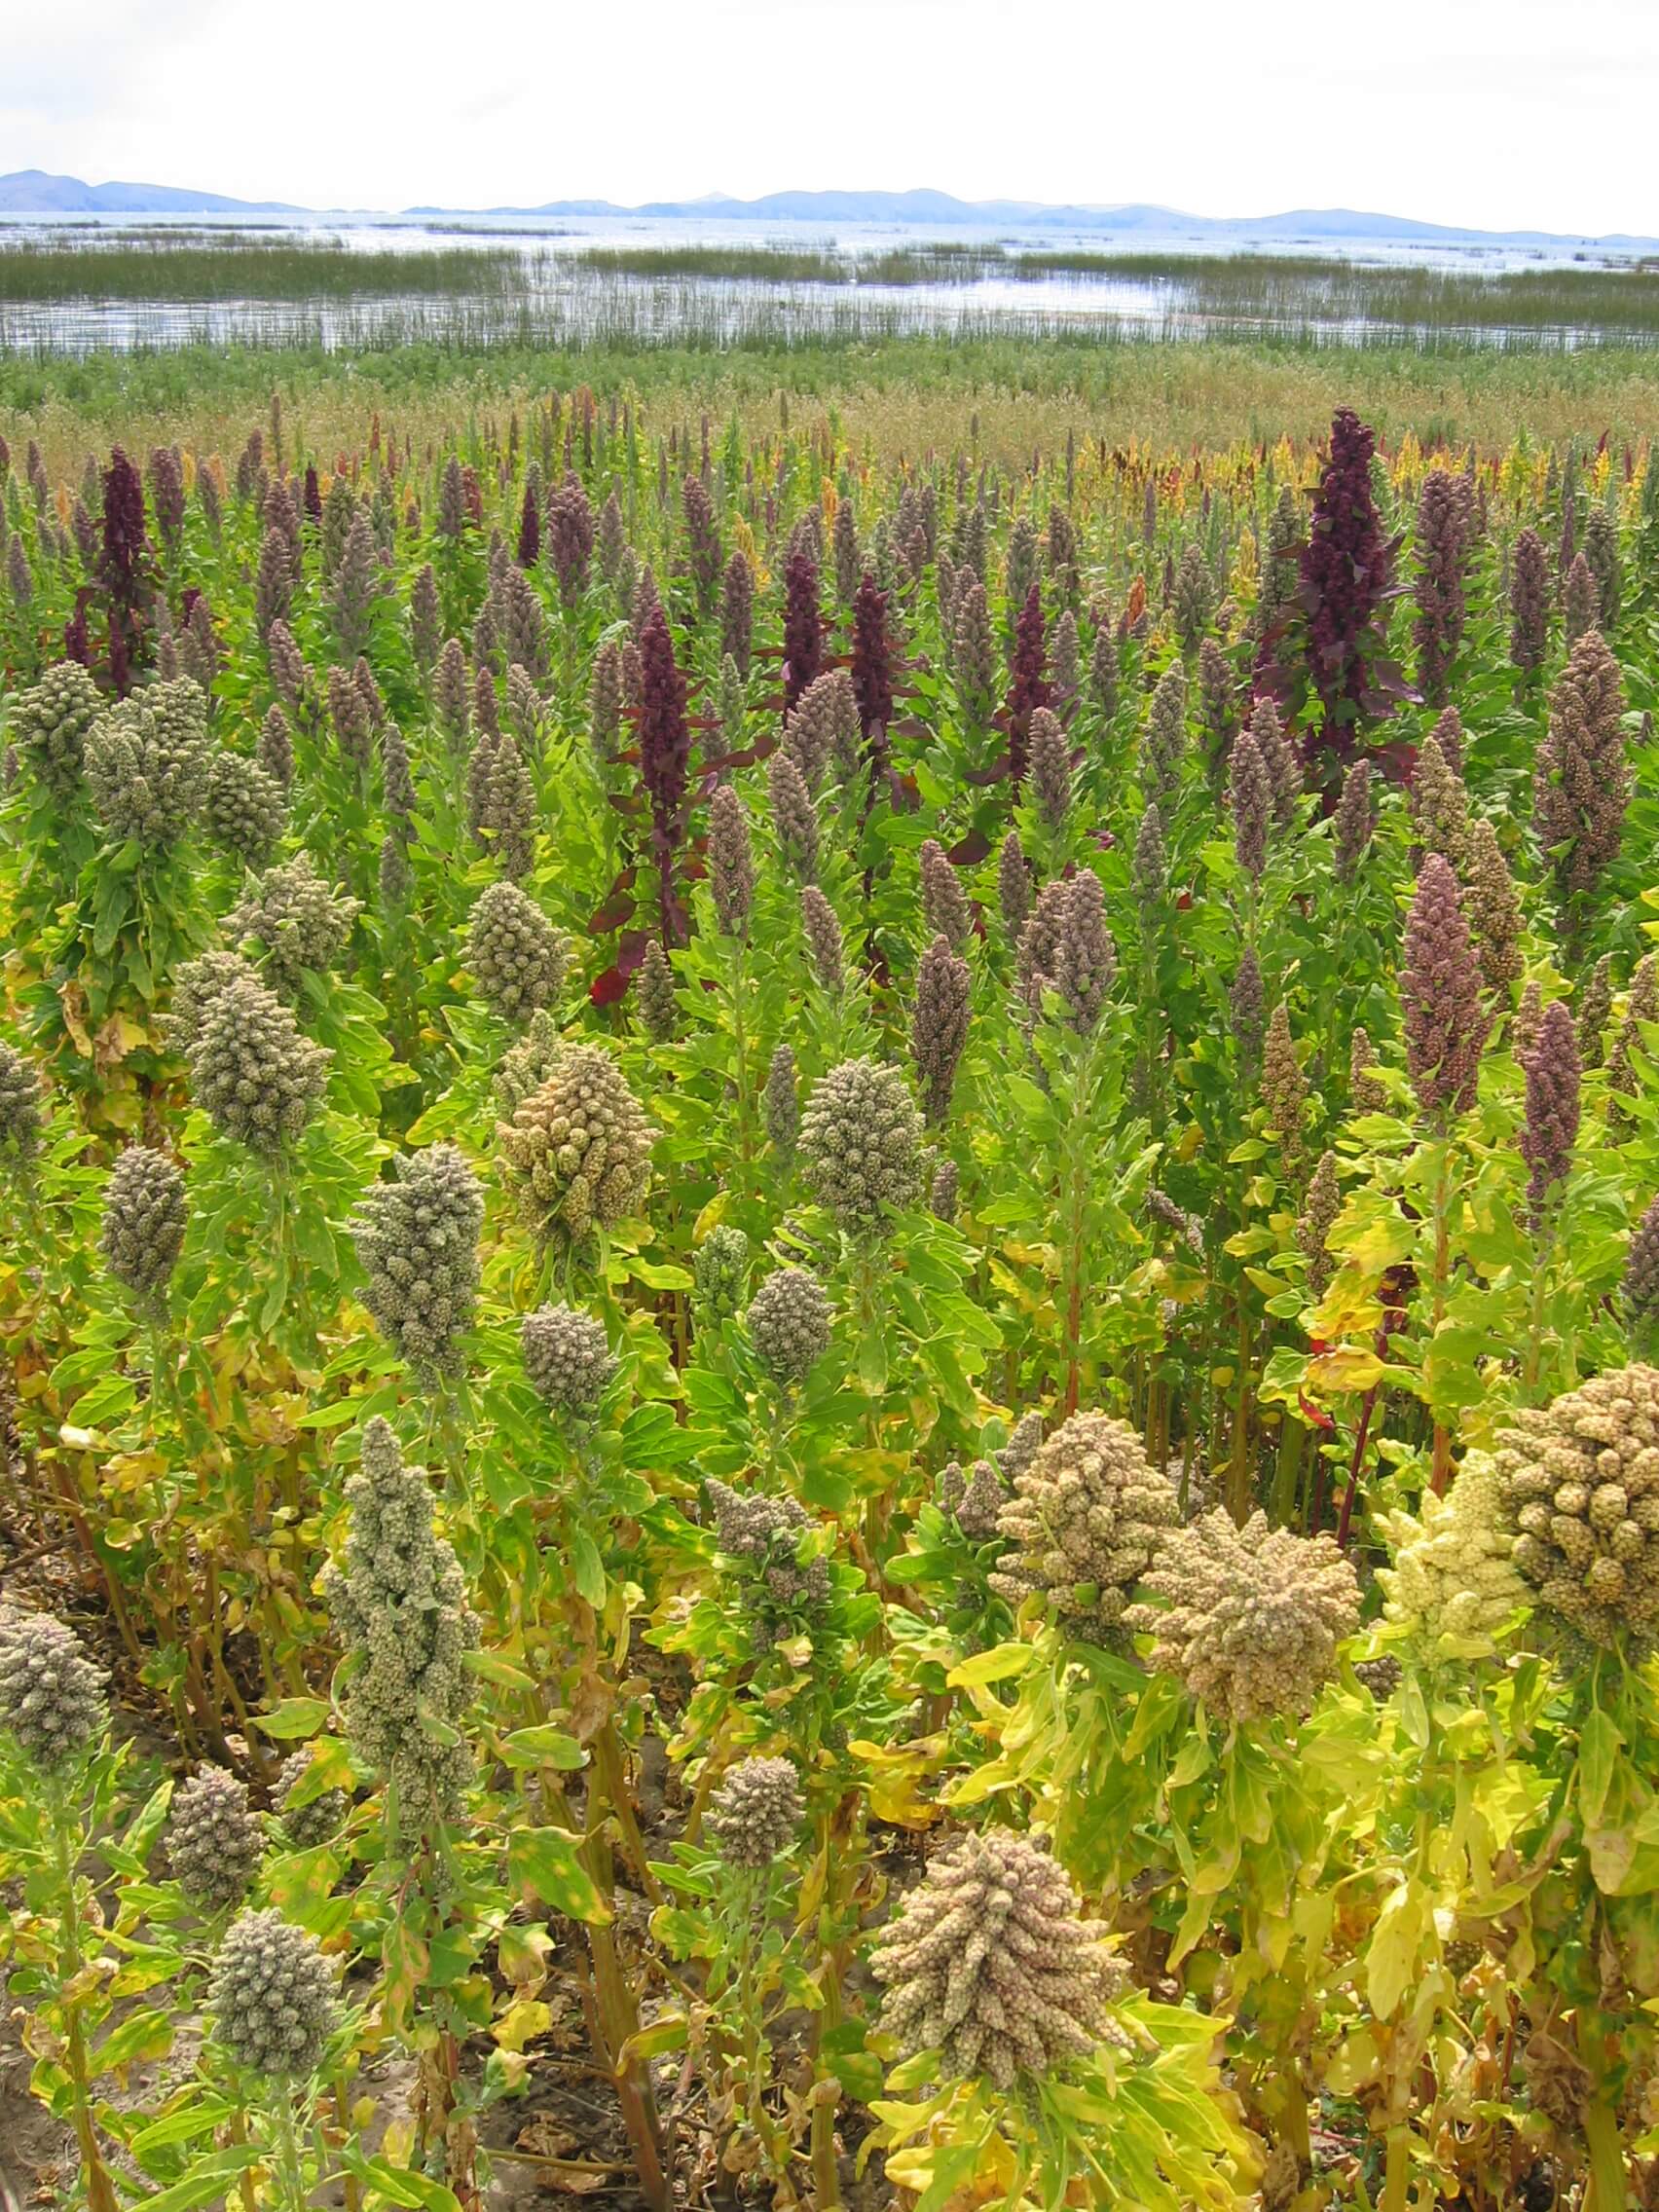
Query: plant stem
point(1441, 1473)
point(618, 2017)
point(100, 2190)
point(290, 2172)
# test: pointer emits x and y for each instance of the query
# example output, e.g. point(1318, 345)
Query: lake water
point(553, 297)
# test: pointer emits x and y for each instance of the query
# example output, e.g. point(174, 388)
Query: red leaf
point(612, 914)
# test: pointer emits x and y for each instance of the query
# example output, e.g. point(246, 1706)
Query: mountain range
point(35, 191)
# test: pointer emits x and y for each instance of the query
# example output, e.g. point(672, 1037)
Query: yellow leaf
point(711, 1216)
point(522, 2023)
point(1347, 1368)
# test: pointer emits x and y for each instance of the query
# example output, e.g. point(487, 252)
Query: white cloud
point(1499, 112)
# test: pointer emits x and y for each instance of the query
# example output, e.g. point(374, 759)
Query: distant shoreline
point(27, 194)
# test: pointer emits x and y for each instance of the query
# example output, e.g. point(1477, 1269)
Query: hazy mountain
point(923, 208)
point(33, 192)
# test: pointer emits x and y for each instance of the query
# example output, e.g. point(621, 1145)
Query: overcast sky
point(1498, 113)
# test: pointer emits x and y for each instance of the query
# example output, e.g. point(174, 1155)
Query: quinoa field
point(830, 1214)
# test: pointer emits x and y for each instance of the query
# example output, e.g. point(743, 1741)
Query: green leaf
point(543, 1747)
point(491, 1667)
point(293, 1717)
point(199, 2115)
point(206, 2180)
point(398, 2184)
point(997, 1665)
point(587, 1567)
point(1599, 1746)
point(141, 2035)
point(548, 1862)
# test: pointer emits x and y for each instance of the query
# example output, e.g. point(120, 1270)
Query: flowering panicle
point(272, 1997)
point(417, 1237)
point(860, 1139)
point(299, 922)
point(974, 655)
point(737, 614)
point(1594, 1005)
point(1440, 994)
point(788, 1321)
point(756, 1812)
point(782, 1103)
point(794, 818)
point(1148, 870)
point(944, 903)
point(1050, 769)
point(1084, 1523)
point(54, 1701)
point(1085, 960)
point(1247, 1006)
point(731, 862)
point(568, 546)
point(399, 1600)
point(349, 714)
point(1582, 782)
point(144, 1219)
point(872, 670)
point(1013, 886)
point(803, 631)
point(1284, 1085)
point(1218, 701)
point(20, 1109)
point(765, 1533)
point(147, 764)
point(822, 929)
point(1528, 602)
point(1250, 793)
point(1251, 1617)
point(655, 990)
point(516, 956)
point(568, 1359)
point(823, 727)
point(720, 1270)
point(1493, 907)
point(1029, 684)
point(49, 725)
point(320, 1817)
point(255, 1077)
point(247, 809)
point(1020, 568)
point(1445, 529)
point(1320, 1209)
point(1192, 603)
point(1578, 1485)
point(213, 1841)
point(1440, 806)
point(578, 1151)
point(1353, 824)
point(990, 1963)
point(938, 1027)
point(1346, 568)
point(276, 748)
point(1638, 1293)
point(1453, 1581)
point(1550, 1129)
point(1164, 747)
point(1578, 602)
point(1366, 1093)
